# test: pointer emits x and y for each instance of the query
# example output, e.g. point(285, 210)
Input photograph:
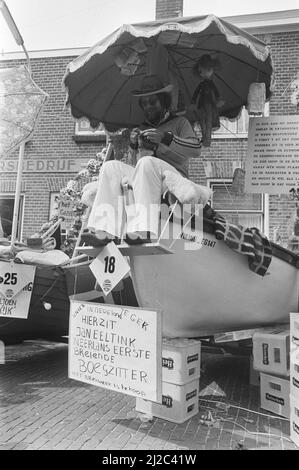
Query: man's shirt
point(185, 144)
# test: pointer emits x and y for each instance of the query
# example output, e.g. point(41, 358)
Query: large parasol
point(99, 83)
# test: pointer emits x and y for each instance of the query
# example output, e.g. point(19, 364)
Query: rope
point(167, 221)
point(178, 236)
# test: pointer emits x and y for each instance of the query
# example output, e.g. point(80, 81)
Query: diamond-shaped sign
point(109, 267)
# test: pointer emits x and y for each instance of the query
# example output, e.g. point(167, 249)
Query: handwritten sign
point(109, 267)
point(67, 212)
point(16, 284)
point(116, 347)
point(272, 164)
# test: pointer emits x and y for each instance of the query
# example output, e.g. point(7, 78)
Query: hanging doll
point(205, 100)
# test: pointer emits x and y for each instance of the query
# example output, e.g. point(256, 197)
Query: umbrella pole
point(17, 194)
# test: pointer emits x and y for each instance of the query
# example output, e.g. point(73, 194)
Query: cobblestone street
point(42, 409)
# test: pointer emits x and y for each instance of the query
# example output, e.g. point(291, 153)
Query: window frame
point(226, 134)
point(244, 115)
point(264, 211)
point(88, 134)
point(19, 233)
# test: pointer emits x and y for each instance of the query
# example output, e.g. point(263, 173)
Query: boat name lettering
point(167, 401)
point(274, 398)
point(191, 395)
point(265, 347)
point(295, 382)
point(203, 241)
point(167, 362)
point(192, 358)
point(207, 242)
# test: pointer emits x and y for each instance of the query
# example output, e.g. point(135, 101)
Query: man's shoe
point(92, 239)
point(138, 238)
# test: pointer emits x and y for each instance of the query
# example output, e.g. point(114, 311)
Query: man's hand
point(135, 133)
point(153, 135)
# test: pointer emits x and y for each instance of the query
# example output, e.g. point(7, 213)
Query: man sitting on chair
point(164, 141)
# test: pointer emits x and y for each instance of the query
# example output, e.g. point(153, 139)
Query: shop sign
point(45, 165)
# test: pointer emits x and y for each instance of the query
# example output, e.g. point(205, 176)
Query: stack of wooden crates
point(180, 381)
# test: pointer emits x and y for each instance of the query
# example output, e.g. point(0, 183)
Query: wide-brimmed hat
point(151, 85)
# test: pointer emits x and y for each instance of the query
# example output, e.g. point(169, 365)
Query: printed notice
point(272, 162)
point(16, 284)
point(116, 347)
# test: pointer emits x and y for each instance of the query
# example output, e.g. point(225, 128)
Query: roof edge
point(254, 23)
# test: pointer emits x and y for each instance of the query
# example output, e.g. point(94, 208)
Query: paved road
point(42, 409)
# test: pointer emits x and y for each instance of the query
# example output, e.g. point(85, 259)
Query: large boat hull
point(208, 290)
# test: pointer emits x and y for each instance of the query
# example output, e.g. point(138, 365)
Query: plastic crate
point(180, 360)
point(179, 402)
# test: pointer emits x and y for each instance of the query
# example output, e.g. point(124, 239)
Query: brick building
point(59, 147)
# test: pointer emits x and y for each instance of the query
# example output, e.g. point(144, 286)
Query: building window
point(84, 132)
point(239, 127)
point(6, 215)
point(231, 129)
point(246, 209)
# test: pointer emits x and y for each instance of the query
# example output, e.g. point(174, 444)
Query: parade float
point(202, 290)
point(218, 285)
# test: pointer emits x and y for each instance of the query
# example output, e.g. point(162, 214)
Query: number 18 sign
point(109, 267)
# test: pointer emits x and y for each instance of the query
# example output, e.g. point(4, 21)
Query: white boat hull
point(211, 289)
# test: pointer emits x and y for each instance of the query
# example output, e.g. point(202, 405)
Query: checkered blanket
point(246, 241)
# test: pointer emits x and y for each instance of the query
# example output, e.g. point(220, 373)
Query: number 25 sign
point(16, 284)
point(109, 267)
